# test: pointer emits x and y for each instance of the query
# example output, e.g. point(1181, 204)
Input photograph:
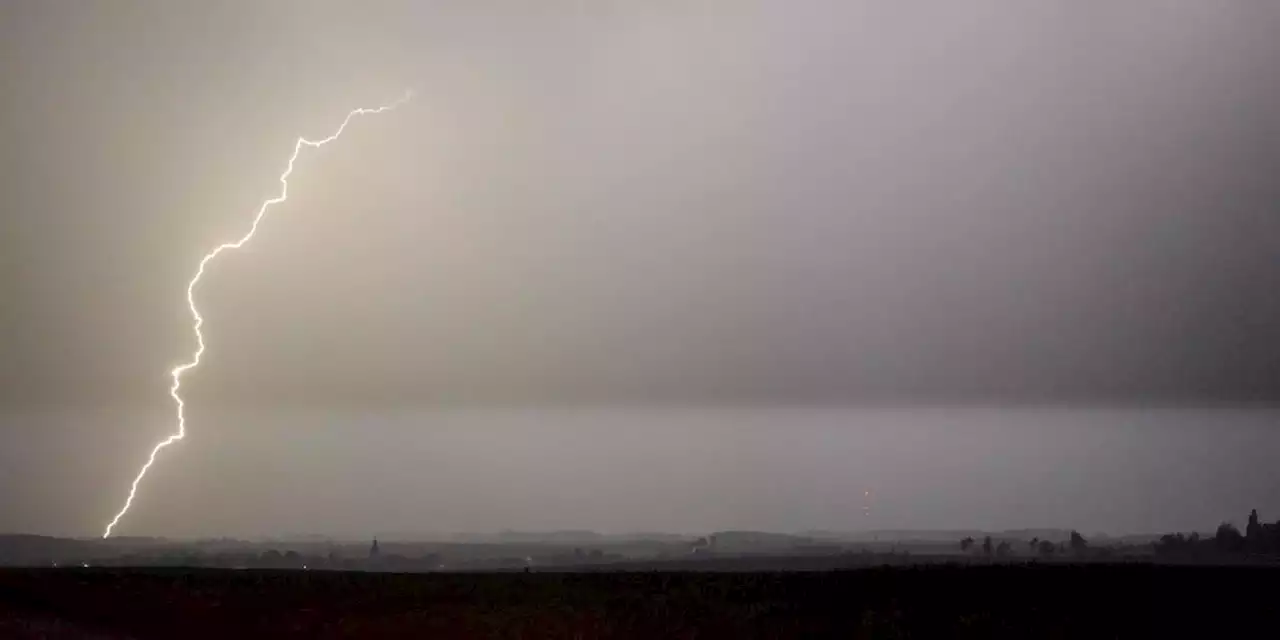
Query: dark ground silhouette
point(1003, 585)
point(1031, 600)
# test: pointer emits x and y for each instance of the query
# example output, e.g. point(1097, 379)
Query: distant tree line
point(1258, 539)
point(375, 560)
point(1077, 546)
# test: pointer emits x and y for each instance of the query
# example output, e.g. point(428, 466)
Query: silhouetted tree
point(271, 559)
point(1170, 544)
point(1228, 539)
point(966, 544)
point(1047, 548)
point(1004, 550)
point(1078, 544)
point(987, 550)
point(1034, 544)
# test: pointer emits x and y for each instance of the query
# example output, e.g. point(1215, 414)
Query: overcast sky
point(698, 203)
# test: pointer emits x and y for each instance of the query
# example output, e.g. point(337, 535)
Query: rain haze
point(666, 266)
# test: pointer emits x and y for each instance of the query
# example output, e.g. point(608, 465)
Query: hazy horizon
point(662, 470)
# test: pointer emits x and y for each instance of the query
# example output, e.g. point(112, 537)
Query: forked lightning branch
point(198, 321)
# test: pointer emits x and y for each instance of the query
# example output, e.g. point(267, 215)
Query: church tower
point(373, 550)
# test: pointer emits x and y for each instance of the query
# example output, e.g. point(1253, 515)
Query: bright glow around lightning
point(177, 371)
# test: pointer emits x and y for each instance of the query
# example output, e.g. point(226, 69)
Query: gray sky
point(652, 204)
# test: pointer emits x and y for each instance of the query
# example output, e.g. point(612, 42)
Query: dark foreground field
point(1096, 601)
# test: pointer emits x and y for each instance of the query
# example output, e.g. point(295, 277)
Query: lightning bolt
point(176, 372)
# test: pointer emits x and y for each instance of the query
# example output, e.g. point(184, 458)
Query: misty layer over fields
point(678, 470)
